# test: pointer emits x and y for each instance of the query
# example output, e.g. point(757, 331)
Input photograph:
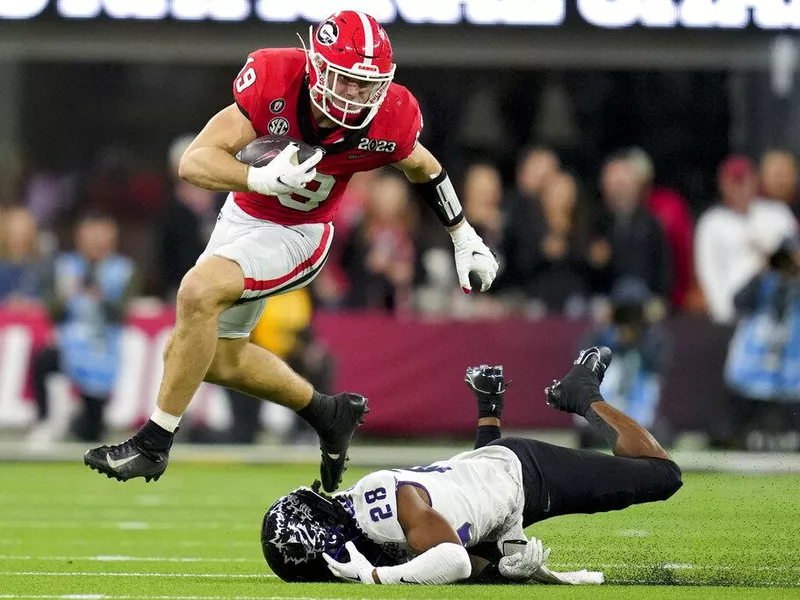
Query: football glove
point(358, 570)
point(283, 175)
point(473, 256)
point(523, 565)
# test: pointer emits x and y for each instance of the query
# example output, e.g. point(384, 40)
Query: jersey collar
point(309, 131)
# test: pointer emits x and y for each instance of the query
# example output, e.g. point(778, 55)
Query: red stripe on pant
point(259, 285)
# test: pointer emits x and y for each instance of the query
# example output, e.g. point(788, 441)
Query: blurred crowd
point(621, 251)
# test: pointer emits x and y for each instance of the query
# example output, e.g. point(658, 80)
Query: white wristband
point(259, 180)
point(445, 563)
point(464, 233)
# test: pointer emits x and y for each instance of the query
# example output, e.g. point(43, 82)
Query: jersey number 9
point(247, 76)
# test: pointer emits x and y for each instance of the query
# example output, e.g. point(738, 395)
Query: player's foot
point(140, 456)
point(576, 391)
point(489, 386)
point(335, 440)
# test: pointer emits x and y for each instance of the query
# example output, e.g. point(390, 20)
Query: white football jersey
point(479, 492)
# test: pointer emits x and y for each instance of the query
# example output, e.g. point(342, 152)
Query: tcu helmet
point(298, 528)
point(352, 45)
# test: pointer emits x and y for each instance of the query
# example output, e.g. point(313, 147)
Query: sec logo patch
point(278, 126)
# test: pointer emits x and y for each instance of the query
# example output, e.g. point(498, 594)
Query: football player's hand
point(283, 175)
point(473, 256)
point(358, 570)
point(523, 565)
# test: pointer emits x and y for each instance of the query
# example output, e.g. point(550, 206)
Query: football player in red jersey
point(275, 230)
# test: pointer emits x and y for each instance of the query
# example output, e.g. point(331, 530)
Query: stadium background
point(95, 92)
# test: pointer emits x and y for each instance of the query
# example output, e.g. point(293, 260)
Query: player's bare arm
point(420, 166)
point(209, 161)
point(440, 556)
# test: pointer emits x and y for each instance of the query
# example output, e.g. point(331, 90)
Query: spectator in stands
point(761, 369)
point(629, 242)
point(378, 256)
point(482, 195)
point(559, 277)
point(49, 196)
point(778, 176)
point(20, 261)
point(189, 217)
point(728, 236)
point(642, 354)
point(87, 295)
point(536, 167)
point(481, 198)
point(672, 212)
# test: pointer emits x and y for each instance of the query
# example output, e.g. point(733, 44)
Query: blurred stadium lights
point(609, 14)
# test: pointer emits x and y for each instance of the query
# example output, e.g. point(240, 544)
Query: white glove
point(523, 565)
point(472, 255)
point(358, 570)
point(283, 175)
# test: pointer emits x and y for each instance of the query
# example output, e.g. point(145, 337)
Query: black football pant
point(563, 481)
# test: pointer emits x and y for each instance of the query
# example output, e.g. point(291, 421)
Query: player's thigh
point(212, 282)
point(574, 481)
point(273, 259)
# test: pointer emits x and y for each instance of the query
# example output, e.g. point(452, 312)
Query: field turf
point(66, 532)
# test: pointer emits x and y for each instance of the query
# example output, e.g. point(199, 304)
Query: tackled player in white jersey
point(463, 518)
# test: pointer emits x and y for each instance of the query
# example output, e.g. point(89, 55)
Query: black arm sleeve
point(486, 434)
point(439, 194)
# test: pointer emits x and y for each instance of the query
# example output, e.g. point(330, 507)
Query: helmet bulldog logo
point(327, 33)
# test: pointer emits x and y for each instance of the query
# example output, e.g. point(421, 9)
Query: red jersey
point(271, 91)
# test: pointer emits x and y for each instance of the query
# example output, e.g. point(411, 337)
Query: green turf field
point(66, 532)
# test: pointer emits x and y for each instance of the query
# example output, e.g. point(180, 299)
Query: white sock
point(165, 420)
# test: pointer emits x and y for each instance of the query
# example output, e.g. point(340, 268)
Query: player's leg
point(276, 260)
point(206, 291)
point(489, 386)
point(251, 369)
point(242, 258)
point(561, 481)
point(579, 392)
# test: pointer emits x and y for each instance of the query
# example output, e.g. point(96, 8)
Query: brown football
point(262, 150)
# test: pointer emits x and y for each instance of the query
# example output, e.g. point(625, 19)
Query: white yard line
point(114, 597)
point(684, 583)
point(152, 502)
point(89, 524)
point(17, 541)
point(113, 574)
point(122, 558)
point(671, 566)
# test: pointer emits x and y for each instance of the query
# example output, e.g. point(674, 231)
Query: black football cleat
point(134, 458)
point(351, 411)
point(576, 391)
point(489, 385)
